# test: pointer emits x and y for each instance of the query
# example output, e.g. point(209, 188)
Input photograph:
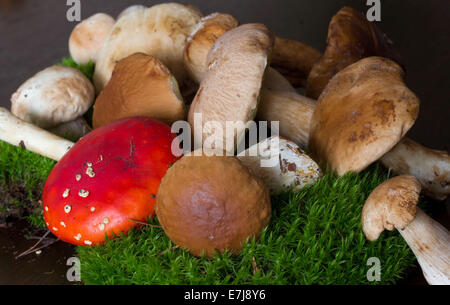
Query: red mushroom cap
point(109, 178)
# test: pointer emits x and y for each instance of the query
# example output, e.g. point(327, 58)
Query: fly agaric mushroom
point(294, 59)
point(88, 36)
point(140, 86)
point(103, 183)
point(351, 37)
point(364, 111)
point(53, 97)
point(208, 204)
point(160, 31)
point(107, 180)
point(230, 89)
point(393, 205)
point(281, 164)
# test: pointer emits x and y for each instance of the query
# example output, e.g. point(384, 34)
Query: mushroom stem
point(28, 136)
point(431, 167)
point(430, 242)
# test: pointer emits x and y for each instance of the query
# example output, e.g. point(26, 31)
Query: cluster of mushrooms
point(159, 65)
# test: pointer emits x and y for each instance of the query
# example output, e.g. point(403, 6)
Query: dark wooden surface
point(34, 35)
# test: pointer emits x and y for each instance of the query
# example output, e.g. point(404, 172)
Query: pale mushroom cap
point(140, 86)
point(53, 96)
point(230, 89)
point(88, 37)
point(130, 9)
point(362, 113)
point(391, 205)
point(160, 31)
point(202, 38)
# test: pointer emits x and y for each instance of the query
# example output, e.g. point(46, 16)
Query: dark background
point(34, 35)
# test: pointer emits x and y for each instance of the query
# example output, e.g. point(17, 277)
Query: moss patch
point(22, 177)
point(314, 237)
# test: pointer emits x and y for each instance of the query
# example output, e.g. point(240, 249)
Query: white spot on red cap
point(106, 220)
point(46, 208)
point(90, 172)
point(83, 193)
point(55, 229)
point(101, 226)
point(63, 224)
point(66, 193)
point(67, 209)
point(92, 209)
point(78, 236)
point(78, 177)
point(88, 242)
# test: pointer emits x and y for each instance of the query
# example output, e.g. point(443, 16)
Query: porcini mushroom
point(53, 97)
point(351, 37)
point(281, 164)
point(140, 86)
point(160, 31)
point(210, 204)
point(230, 89)
point(393, 205)
point(292, 58)
point(88, 37)
point(364, 111)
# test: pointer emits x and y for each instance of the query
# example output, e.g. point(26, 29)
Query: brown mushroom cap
point(351, 37)
point(391, 205)
point(140, 86)
point(362, 113)
point(204, 35)
point(231, 86)
point(208, 204)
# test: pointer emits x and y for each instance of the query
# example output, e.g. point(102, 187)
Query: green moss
point(22, 176)
point(314, 237)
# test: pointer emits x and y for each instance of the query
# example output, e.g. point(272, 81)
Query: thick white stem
point(430, 242)
point(28, 136)
point(430, 167)
point(281, 164)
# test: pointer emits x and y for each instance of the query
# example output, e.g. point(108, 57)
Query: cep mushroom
point(210, 204)
point(141, 85)
point(281, 164)
point(160, 31)
point(292, 58)
point(351, 37)
point(105, 183)
point(229, 91)
point(365, 110)
point(88, 37)
point(54, 97)
point(280, 102)
point(393, 205)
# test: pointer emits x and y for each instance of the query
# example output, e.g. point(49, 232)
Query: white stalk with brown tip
point(28, 136)
point(430, 242)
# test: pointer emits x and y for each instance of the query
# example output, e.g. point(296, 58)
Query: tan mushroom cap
point(53, 96)
point(88, 37)
point(351, 37)
point(208, 204)
point(160, 31)
point(231, 87)
point(391, 205)
point(362, 114)
point(140, 86)
point(207, 31)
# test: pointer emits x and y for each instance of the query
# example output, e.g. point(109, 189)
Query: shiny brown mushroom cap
point(391, 205)
point(351, 37)
point(364, 111)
